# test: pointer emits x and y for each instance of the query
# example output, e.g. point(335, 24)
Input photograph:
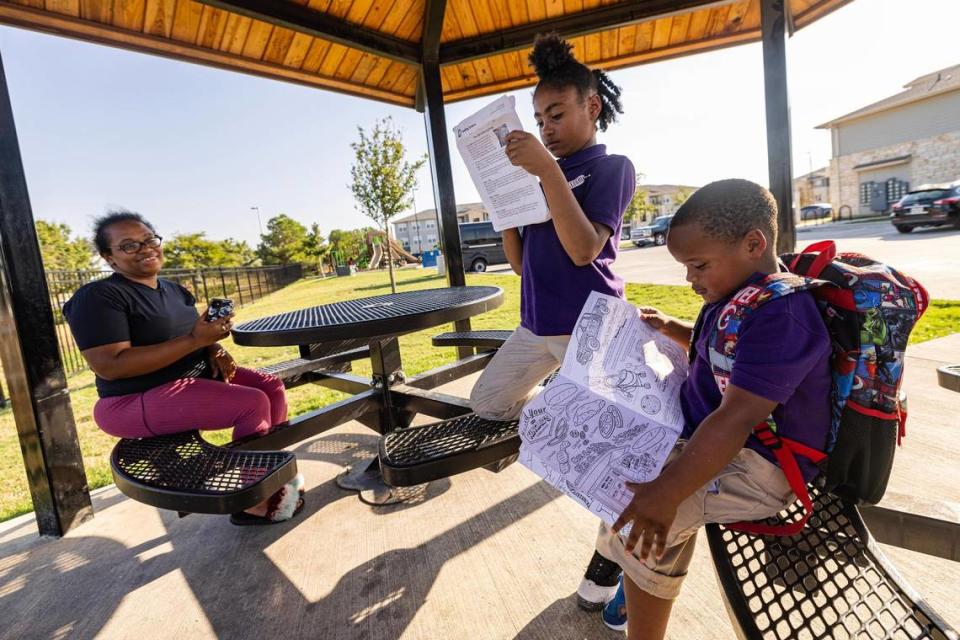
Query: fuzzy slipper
point(283, 505)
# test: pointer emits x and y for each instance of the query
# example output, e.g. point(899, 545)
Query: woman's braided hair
point(553, 61)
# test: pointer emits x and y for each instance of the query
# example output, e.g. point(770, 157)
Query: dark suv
point(653, 233)
point(932, 205)
point(480, 245)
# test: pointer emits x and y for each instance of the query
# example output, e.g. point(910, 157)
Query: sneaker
point(599, 583)
point(615, 611)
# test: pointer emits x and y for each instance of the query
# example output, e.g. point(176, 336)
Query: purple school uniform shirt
point(783, 355)
point(552, 288)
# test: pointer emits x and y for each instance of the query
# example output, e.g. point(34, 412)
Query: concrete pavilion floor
point(479, 556)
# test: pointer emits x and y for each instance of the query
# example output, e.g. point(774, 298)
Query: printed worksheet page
point(613, 413)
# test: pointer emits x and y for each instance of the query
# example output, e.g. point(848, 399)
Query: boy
point(725, 236)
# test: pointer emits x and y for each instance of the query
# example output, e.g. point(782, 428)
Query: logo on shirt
point(579, 180)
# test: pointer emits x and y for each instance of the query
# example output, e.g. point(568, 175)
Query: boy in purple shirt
point(562, 260)
point(725, 236)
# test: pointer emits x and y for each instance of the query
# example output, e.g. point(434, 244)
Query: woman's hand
point(222, 363)
point(652, 512)
point(528, 153)
point(207, 333)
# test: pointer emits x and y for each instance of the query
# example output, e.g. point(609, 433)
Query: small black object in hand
point(219, 308)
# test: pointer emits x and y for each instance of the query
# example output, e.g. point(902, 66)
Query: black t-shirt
point(117, 309)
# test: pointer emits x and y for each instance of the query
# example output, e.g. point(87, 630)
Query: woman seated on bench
point(159, 369)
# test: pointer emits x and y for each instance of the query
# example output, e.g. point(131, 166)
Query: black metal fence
point(242, 284)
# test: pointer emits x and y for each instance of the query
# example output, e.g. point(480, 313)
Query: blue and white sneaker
point(615, 611)
point(599, 583)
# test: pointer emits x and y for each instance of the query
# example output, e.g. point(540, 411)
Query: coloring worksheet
point(613, 413)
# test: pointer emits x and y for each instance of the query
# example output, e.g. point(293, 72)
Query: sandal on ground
point(283, 505)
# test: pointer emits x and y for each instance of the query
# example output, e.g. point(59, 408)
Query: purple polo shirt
point(552, 288)
point(783, 355)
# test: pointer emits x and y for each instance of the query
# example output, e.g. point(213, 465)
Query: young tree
point(196, 251)
point(639, 207)
point(283, 243)
point(315, 246)
point(383, 180)
point(59, 250)
point(681, 196)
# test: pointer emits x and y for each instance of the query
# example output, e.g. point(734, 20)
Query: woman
point(159, 369)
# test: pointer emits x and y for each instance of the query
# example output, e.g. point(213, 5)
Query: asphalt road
point(930, 255)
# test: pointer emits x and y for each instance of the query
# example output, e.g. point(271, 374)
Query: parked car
point(816, 211)
point(481, 246)
point(653, 233)
point(930, 205)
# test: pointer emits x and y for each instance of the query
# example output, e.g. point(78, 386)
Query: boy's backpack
point(869, 309)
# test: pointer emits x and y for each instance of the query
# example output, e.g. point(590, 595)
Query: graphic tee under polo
point(117, 309)
point(552, 288)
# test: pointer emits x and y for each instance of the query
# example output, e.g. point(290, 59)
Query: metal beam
point(322, 25)
point(575, 24)
point(916, 532)
point(779, 162)
point(28, 349)
point(438, 149)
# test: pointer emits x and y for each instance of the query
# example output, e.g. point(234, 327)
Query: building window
point(431, 240)
point(896, 189)
point(402, 227)
point(865, 189)
point(431, 224)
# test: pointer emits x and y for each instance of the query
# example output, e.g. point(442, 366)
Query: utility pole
point(259, 224)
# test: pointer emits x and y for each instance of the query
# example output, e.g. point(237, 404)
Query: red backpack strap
point(783, 450)
point(826, 251)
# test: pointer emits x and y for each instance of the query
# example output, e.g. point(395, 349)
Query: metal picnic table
point(389, 400)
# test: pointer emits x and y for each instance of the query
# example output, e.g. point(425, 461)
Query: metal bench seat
point(298, 371)
point(185, 473)
point(416, 455)
point(491, 339)
point(829, 581)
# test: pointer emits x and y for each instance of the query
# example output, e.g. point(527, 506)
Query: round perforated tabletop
point(374, 317)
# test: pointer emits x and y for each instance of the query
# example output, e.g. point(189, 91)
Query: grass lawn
point(419, 355)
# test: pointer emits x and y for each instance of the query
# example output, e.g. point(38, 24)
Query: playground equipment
point(400, 255)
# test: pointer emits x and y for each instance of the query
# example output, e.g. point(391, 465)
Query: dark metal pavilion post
point(438, 148)
point(28, 347)
point(779, 154)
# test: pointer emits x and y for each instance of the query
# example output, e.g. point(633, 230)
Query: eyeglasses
point(134, 247)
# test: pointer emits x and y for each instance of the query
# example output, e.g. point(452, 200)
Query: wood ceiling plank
point(186, 21)
point(213, 27)
point(593, 49)
point(235, 33)
point(348, 65)
point(718, 20)
point(679, 28)
point(661, 32)
point(554, 8)
point(735, 17)
point(332, 60)
point(358, 11)
point(411, 25)
point(519, 11)
point(626, 37)
point(698, 24)
point(298, 50)
point(278, 45)
point(97, 11)
point(393, 19)
point(377, 14)
point(158, 17)
point(32, 4)
point(609, 41)
point(644, 41)
point(537, 10)
point(498, 67)
point(516, 65)
point(64, 7)
point(449, 79)
point(375, 77)
point(572, 6)
point(315, 55)
point(339, 8)
point(364, 67)
point(257, 39)
point(751, 18)
point(482, 17)
point(128, 14)
point(464, 17)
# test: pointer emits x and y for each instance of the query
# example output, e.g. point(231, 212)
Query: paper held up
point(511, 196)
point(613, 413)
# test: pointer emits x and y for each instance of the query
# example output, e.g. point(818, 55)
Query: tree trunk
point(386, 235)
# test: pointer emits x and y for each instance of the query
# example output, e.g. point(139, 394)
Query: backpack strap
point(785, 451)
point(722, 355)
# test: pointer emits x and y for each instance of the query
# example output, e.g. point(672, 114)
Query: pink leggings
point(251, 403)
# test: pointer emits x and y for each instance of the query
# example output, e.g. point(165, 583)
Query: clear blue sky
point(194, 148)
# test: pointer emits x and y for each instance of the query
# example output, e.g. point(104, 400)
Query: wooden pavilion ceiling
point(373, 48)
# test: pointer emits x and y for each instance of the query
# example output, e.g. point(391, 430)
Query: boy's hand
point(657, 319)
point(652, 513)
point(528, 153)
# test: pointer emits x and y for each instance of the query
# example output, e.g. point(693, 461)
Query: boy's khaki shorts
point(750, 488)
point(514, 372)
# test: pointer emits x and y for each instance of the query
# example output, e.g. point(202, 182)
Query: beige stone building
point(886, 148)
point(812, 188)
point(664, 199)
point(419, 232)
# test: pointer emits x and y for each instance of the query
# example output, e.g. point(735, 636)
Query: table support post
point(386, 364)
